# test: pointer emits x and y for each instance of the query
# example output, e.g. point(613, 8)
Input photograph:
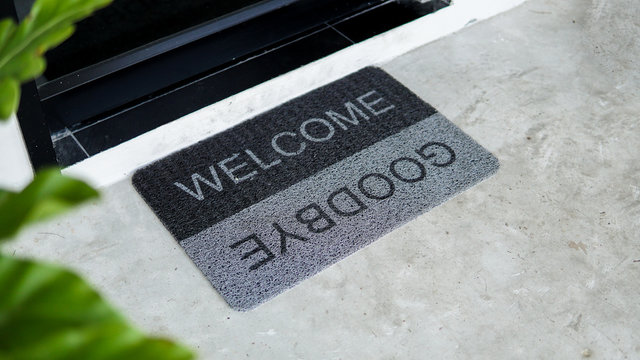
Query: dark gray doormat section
point(278, 198)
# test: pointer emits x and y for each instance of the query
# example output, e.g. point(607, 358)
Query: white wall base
point(15, 167)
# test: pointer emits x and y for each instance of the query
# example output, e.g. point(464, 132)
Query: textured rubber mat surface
point(276, 199)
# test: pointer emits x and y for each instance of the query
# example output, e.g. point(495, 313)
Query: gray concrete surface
point(542, 261)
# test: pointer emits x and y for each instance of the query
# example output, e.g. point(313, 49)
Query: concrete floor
point(540, 261)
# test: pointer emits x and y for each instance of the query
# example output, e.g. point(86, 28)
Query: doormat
point(278, 198)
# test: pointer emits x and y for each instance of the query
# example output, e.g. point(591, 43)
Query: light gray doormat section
point(276, 199)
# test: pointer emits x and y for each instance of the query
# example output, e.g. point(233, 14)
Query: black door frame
point(32, 113)
point(32, 116)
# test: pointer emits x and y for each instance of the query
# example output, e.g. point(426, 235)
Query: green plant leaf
point(50, 313)
point(22, 46)
point(9, 97)
point(50, 193)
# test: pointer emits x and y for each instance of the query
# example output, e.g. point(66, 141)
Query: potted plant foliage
point(47, 312)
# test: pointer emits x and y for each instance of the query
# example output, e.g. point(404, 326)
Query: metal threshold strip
point(47, 89)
